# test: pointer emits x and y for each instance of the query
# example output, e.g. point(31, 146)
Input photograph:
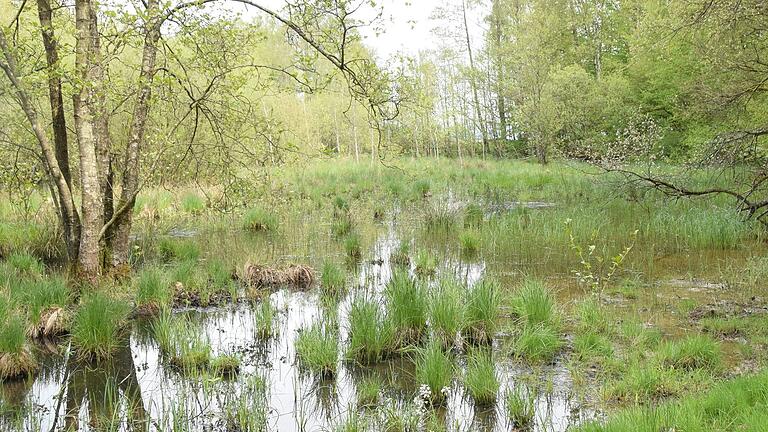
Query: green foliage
point(37, 295)
point(353, 246)
point(407, 307)
point(483, 302)
point(480, 378)
point(264, 319)
point(178, 249)
point(332, 279)
point(692, 352)
point(370, 332)
point(257, 219)
point(318, 350)
point(470, 242)
point(25, 264)
point(447, 311)
point(192, 203)
point(434, 368)
point(153, 289)
point(537, 343)
point(12, 335)
point(368, 391)
point(225, 364)
point(520, 408)
point(97, 326)
point(473, 216)
point(426, 263)
point(533, 304)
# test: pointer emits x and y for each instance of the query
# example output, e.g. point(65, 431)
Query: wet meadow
point(417, 295)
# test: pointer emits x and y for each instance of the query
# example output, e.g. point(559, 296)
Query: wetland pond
point(136, 390)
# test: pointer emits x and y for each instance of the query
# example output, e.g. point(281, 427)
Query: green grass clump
point(473, 216)
point(341, 226)
point(225, 365)
point(645, 382)
point(97, 326)
point(39, 295)
point(181, 343)
point(439, 220)
point(25, 263)
point(434, 368)
point(590, 345)
point(426, 263)
point(353, 246)
point(401, 255)
point(178, 249)
point(192, 203)
point(368, 392)
point(520, 409)
point(153, 290)
point(318, 350)
point(470, 242)
point(447, 311)
point(533, 304)
point(264, 319)
point(480, 378)
point(407, 306)
point(422, 188)
point(259, 220)
point(370, 333)
point(692, 352)
point(592, 317)
point(16, 360)
point(332, 279)
point(483, 302)
point(537, 343)
point(737, 404)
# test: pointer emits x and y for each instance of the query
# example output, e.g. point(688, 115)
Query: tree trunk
point(70, 226)
point(103, 144)
point(472, 81)
point(84, 102)
point(65, 197)
point(123, 215)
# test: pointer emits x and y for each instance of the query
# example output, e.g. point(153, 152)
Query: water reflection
point(135, 390)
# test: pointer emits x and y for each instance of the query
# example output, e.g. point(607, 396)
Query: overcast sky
point(407, 24)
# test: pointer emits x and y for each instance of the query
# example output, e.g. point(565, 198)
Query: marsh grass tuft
point(401, 255)
point(226, 365)
point(520, 408)
point(447, 311)
point(692, 352)
point(425, 263)
point(257, 219)
point(332, 279)
point(98, 326)
point(469, 241)
point(483, 302)
point(370, 333)
point(368, 391)
point(434, 368)
point(153, 291)
point(537, 343)
point(353, 246)
point(192, 203)
point(480, 378)
point(533, 303)
point(264, 319)
point(317, 349)
point(181, 343)
point(16, 359)
point(407, 307)
point(25, 263)
point(473, 216)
